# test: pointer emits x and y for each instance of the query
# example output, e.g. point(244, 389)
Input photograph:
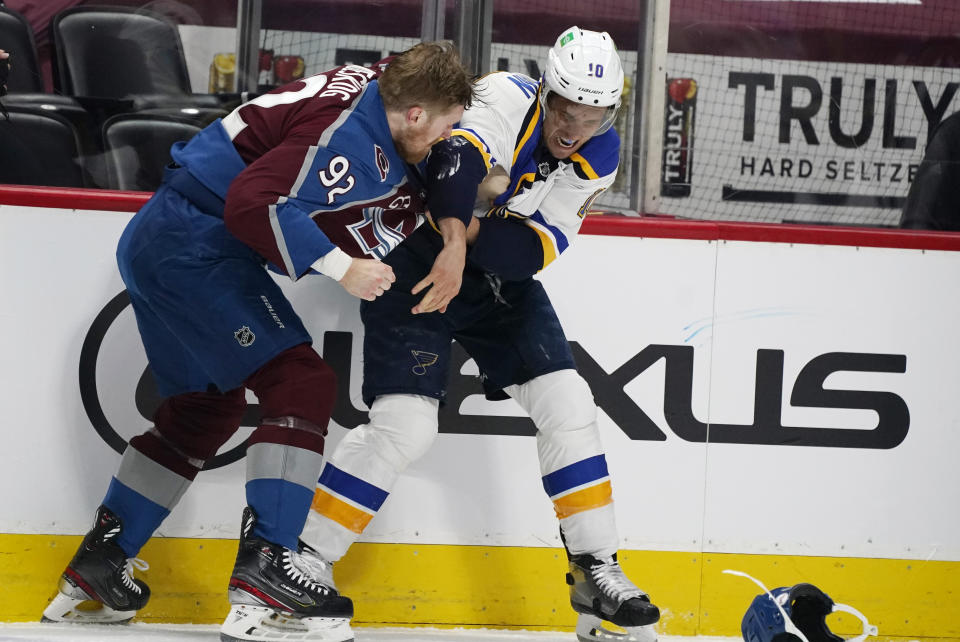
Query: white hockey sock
point(362, 470)
point(572, 462)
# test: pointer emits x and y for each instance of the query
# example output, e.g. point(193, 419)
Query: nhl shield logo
point(544, 168)
point(245, 336)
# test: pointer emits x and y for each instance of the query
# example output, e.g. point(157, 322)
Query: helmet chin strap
point(790, 627)
point(868, 629)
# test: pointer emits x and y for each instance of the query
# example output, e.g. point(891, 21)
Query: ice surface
point(142, 632)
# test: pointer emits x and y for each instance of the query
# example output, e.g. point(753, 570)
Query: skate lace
point(300, 572)
point(126, 574)
point(611, 580)
point(318, 568)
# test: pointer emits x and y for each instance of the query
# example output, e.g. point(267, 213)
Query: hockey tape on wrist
point(334, 264)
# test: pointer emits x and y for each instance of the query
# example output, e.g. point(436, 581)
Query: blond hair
point(429, 74)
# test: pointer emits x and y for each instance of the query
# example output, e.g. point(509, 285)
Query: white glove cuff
point(334, 264)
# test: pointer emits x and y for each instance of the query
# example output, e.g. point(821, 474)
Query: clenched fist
point(367, 278)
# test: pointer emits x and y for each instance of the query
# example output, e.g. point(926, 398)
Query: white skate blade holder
point(590, 629)
point(67, 608)
point(790, 627)
point(247, 622)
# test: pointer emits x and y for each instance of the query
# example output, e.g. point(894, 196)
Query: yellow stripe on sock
point(341, 512)
point(583, 499)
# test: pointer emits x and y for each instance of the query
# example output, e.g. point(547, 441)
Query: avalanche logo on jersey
point(382, 162)
point(379, 232)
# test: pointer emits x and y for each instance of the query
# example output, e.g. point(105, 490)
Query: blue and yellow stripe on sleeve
point(530, 125)
point(599, 157)
point(553, 240)
point(347, 500)
point(474, 139)
point(583, 168)
point(579, 487)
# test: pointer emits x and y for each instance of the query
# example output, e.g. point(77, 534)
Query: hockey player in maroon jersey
point(311, 177)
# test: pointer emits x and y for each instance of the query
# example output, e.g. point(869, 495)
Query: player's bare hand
point(446, 275)
point(444, 281)
point(367, 278)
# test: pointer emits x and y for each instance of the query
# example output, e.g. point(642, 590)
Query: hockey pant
point(296, 390)
point(362, 470)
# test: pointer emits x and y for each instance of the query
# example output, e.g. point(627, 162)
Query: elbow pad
point(510, 249)
point(454, 171)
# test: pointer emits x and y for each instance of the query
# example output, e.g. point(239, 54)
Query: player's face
point(425, 130)
point(568, 125)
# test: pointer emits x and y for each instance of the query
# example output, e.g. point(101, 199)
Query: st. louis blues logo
point(383, 163)
point(424, 360)
point(245, 336)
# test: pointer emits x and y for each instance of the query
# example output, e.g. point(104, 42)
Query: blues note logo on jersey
point(245, 336)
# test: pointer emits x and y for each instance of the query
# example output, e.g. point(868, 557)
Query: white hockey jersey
point(551, 196)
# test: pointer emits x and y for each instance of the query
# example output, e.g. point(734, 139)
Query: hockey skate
point(280, 594)
point(99, 572)
point(600, 592)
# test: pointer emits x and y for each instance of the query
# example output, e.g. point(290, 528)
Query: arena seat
point(122, 53)
point(137, 147)
point(16, 37)
point(40, 148)
point(25, 84)
point(200, 116)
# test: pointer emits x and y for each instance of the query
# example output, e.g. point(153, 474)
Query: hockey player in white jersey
point(543, 151)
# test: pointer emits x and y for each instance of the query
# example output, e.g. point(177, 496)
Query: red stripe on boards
point(605, 225)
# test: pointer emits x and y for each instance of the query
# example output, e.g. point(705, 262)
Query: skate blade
point(248, 622)
point(78, 608)
point(590, 628)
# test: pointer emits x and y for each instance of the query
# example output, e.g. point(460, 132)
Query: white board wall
point(666, 300)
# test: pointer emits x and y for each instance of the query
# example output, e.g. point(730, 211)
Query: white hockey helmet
point(584, 67)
